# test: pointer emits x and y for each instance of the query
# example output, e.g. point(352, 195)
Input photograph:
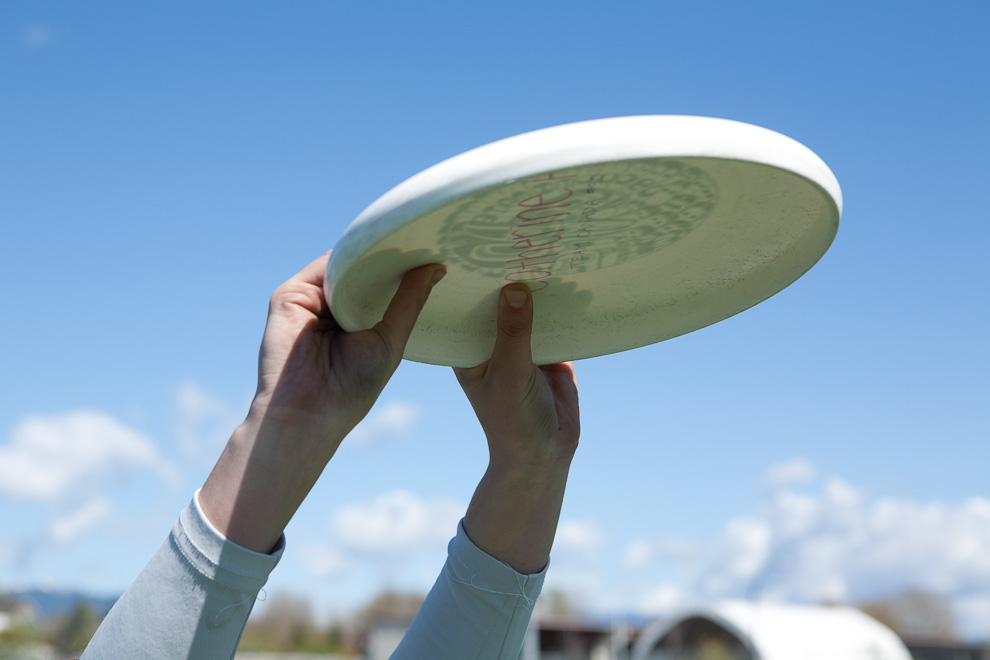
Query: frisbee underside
point(620, 249)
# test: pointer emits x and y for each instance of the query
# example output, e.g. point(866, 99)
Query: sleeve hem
point(218, 558)
point(473, 566)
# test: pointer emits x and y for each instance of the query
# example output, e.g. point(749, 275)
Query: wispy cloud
point(49, 455)
point(575, 570)
point(203, 422)
point(392, 420)
point(37, 36)
point(662, 599)
point(67, 528)
point(641, 552)
point(324, 560)
point(793, 472)
point(580, 538)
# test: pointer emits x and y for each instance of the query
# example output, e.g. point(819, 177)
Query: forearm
point(265, 472)
point(515, 509)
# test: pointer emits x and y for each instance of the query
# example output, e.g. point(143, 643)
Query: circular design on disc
point(609, 214)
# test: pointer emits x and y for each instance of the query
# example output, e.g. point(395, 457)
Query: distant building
point(383, 638)
point(548, 638)
point(728, 630)
point(571, 637)
point(939, 650)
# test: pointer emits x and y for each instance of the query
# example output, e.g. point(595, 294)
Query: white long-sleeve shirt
point(193, 599)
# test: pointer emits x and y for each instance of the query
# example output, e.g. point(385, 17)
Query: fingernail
point(437, 276)
point(515, 297)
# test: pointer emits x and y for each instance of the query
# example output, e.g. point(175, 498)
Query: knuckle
point(513, 327)
point(282, 291)
point(287, 295)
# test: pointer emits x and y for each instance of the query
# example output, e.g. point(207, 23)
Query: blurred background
point(163, 167)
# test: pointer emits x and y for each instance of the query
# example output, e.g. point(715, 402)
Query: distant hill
point(49, 604)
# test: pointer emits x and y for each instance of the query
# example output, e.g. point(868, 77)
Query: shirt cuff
point(477, 568)
point(218, 558)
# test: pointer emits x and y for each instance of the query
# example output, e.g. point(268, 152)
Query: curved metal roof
point(775, 631)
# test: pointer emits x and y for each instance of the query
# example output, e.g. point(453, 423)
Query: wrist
point(536, 461)
point(514, 512)
point(270, 425)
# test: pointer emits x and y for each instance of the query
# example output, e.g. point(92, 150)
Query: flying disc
point(629, 231)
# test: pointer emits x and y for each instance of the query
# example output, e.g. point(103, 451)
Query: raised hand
point(530, 416)
point(315, 383)
point(313, 373)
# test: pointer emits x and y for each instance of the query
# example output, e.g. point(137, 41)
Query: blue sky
point(164, 168)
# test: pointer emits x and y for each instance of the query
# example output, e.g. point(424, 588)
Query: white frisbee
point(629, 231)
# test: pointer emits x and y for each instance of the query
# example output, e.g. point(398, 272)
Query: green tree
point(390, 605)
point(287, 625)
point(72, 632)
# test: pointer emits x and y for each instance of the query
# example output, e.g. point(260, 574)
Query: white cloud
point(69, 527)
point(48, 455)
point(324, 561)
point(797, 471)
point(641, 552)
point(739, 556)
point(37, 36)
point(393, 419)
point(393, 527)
point(584, 587)
point(578, 537)
point(396, 524)
point(204, 422)
point(661, 600)
point(638, 554)
point(575, 568)
point(835, 544)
